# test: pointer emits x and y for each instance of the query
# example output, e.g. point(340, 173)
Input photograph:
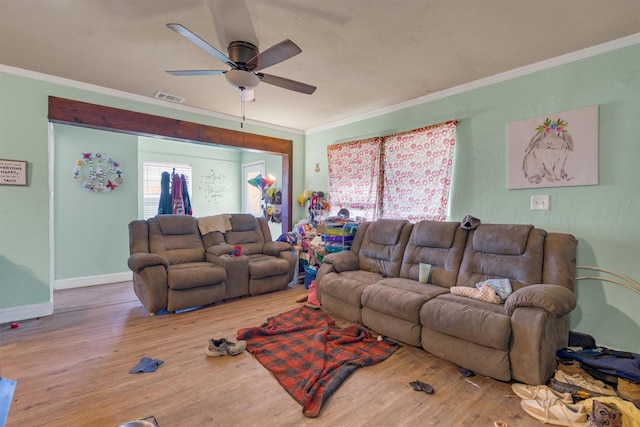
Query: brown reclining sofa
point(375, 283)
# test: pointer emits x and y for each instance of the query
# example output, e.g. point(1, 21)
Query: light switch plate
point(539, 203)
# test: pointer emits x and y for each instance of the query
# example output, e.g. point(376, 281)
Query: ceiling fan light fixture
point(242, 79)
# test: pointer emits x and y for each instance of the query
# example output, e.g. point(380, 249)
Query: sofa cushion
point(521, 266)
point(176, 248)
point(434, 234)
point(261, 266)
point(479, 304)
point(501, 239)
point(399, 298)
point(348, 286)
point(383, 246)
point(177, 224)
point(243, 222)
point(385, 231)
point(440, 244)
point(194, 275)
point(472, 324)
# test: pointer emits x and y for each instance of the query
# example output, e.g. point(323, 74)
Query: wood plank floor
point(72, 369)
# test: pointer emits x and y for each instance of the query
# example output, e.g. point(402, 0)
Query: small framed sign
point(13, 172)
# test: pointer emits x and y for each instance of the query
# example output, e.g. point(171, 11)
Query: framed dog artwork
point(555, 150)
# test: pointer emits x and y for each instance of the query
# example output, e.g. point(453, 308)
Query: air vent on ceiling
point(168, 97)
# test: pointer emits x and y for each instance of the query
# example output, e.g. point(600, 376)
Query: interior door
point(252, 196)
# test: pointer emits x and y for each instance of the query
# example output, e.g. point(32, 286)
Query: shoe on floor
point(222, 347)
point(580, 381)
point(528, 392)
point(555, 412)
point(420, 386)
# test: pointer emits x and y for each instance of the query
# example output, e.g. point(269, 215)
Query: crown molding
point(136, 98)
point(497, 78)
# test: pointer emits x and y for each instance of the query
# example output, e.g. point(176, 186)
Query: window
point(152, 175)
point(407, 175)
point(417, 173)
point(354, 175)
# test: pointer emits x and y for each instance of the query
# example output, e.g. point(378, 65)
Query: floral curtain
point(354, 177)
point(417, 172)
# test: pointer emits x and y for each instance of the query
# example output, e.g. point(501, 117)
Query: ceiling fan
point(245, 61)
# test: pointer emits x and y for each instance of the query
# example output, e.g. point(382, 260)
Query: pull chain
point(242, 106)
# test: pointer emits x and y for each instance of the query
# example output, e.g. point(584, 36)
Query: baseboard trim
point(103, 279)
point(13, 314)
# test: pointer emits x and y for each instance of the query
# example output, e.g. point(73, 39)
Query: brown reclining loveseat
point(175, 266)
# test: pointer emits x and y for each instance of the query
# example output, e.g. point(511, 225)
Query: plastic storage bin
point(309, 275)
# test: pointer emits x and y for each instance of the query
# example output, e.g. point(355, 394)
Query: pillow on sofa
point(501, 239)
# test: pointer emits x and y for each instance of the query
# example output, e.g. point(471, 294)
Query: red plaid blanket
point(310, 356)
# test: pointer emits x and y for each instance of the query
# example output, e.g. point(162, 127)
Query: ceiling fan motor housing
point(241, 52)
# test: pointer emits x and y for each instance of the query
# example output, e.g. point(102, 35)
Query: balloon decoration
point(271, 196)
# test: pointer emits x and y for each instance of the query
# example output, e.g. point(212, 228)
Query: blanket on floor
point(310, 356)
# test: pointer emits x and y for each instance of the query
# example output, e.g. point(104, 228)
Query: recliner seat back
point(382, 246)
point(497, 251)
point(247, 232)
point(440, 244)
point(176, 238)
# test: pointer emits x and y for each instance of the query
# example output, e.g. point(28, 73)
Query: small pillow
point(485, 293)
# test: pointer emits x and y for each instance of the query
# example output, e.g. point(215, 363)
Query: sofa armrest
point(275, 248)
point(219, 250)
point(557, 300)
point(141, 260)
point(342, 261)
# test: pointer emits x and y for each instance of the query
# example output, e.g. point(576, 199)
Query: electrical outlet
point(539, 203)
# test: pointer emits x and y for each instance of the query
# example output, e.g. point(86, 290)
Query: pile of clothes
point(593, 386)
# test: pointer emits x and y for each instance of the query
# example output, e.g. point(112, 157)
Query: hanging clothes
point(185, 196)
point(165, 206)
point(176, 195)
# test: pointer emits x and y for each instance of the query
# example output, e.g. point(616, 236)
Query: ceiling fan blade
point(196, 72)
point(232, 21)
point(201, 44)
point(274, 55)
point(287, 83)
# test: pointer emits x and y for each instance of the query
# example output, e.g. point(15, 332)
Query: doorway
point(252, 196)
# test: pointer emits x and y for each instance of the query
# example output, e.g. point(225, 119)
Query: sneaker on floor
point(222, 347)
point(235, 348)
point(555, 412)
point(580, 381)
point(217, 347)
point(529, 392)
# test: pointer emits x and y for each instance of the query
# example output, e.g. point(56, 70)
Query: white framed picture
point(13, 172)
point(554, 150)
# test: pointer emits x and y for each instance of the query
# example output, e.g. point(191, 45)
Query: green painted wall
point(24, 211)
point(605, 218)
point(216, 173)
point(90, 229)
point(26, 270)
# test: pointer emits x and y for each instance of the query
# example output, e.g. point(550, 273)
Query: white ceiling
point(363, 55)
